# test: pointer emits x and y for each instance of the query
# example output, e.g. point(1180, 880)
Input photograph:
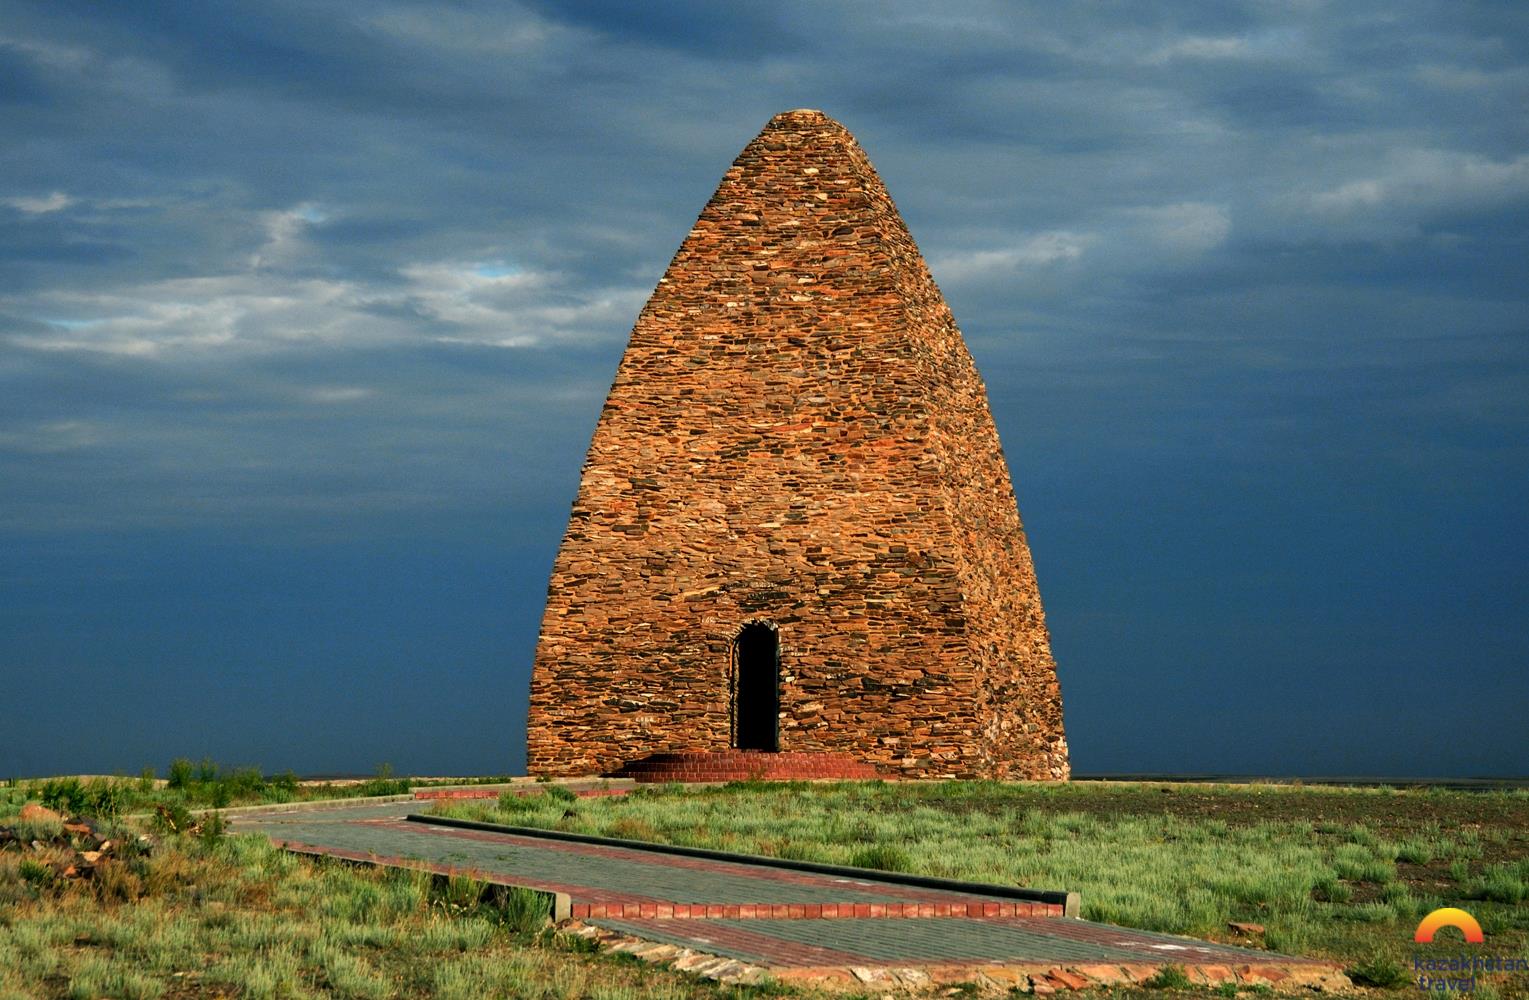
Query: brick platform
point(745, 765)
point(739, 920)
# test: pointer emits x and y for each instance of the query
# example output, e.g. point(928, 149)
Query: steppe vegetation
point(1340, 873)
point(201, 914)
point(201, 784)
point(1337, 873)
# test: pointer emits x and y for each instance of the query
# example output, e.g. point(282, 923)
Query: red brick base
point(745, 765)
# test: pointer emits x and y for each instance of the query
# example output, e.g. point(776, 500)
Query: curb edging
point(1071, 902)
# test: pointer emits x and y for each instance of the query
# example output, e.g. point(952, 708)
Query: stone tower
point(795, 529)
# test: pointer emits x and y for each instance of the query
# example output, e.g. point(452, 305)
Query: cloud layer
point(1241, 277)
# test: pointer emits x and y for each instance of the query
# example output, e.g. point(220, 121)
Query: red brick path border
point(806, 911)
point(913, 902)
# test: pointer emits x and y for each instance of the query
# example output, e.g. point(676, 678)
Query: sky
point(308, 309)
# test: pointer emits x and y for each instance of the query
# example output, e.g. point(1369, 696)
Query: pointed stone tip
point(800, 116)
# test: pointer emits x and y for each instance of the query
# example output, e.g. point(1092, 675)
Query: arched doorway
point(756, 696)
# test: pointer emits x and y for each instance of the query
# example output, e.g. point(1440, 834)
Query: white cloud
point(502, 32)
point(1189, 227)
point(1199, 47)
point(1124, 240)
point(63, 57)
point(1428, 178)
point(1275, 43)
point(57, 201)
point(285, 234)
point(337, 393)
point(51, 437)
point(261, 311)
point(1470, 78)
point(93, 69)
point(502, 306)
point(1037, 251)
point(228, 312)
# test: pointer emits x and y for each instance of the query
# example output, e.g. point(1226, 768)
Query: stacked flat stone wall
point(797, 435)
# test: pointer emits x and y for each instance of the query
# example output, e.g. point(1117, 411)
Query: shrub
point(521, 910)
point(383, 786)
point(34, 872)
point(1382, 972)
point(65, 795)
point(1169, 977)
point(1356, 864)
point(172, 817)
point(180, 773)
point(576, 944)
point(37, 829)
point(384, 783)
point(457, 893)
point(115, 882)
point(211, 828)
point(104, 797)
point(1401, 897)
point(1329, 890)
point(509, 802)
point(1500, 884)
point(245, 782)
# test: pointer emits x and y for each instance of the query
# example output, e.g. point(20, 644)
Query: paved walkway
point(768, 918)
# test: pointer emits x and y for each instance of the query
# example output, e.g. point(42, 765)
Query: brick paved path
point(771, 917)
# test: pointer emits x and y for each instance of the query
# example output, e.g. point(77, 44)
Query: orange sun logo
point(1448, 916)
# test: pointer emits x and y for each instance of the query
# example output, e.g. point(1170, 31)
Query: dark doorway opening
point(756, 702)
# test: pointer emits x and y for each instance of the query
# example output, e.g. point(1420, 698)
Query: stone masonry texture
point(797, 436)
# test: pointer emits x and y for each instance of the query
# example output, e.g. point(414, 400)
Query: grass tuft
point(1383, 973)
point(882, 857)
point(1169, 977)
point(1334, 873)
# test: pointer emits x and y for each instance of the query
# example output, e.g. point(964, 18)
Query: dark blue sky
point(307, 311)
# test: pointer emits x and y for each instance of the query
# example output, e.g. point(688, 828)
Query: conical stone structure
point(795, 529)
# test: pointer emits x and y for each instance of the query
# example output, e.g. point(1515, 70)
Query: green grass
point(1339, 873)
point(237, 917)
point(1156, 872)
point(201, 785)
point(1172, 977)
point(1504, 883)
point(1381, 972)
